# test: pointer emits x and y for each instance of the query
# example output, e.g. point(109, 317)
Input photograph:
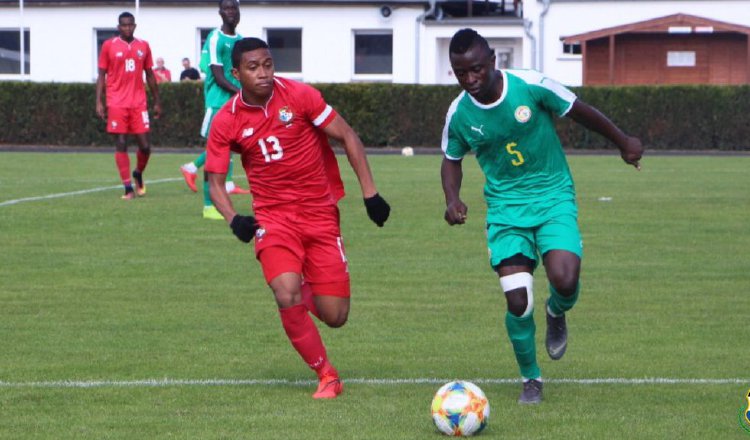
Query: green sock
point(230, 170)
point(200, 161)
point(559, 304)
point(521, 333)
point(206, 192)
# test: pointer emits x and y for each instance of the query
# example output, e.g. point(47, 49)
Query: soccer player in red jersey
point(281, 128)
point(122, 63)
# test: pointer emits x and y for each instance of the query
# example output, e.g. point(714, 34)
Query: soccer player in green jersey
point(506, 118)
point(219, 86)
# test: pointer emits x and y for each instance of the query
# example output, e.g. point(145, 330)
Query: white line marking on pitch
point(76, 193)
point(387, 382)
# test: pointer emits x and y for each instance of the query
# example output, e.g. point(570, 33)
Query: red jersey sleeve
point(220, 140)
point(104, 55)
point(148, 61)
point(316, 109)
point(321, 114)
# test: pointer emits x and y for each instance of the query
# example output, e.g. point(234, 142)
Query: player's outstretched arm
point(377, 208)
point(630, 147)
point(451, 174)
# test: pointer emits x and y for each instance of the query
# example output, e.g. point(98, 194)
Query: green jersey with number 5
point(516, 145)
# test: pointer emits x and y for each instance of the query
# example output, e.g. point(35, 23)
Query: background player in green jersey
point(219, 86)
point(507, 119)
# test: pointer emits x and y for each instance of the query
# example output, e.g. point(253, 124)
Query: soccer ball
point(460, 408)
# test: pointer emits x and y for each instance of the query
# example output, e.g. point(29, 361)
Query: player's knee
point(519, 293)
point(336, 321)
point(564, 283)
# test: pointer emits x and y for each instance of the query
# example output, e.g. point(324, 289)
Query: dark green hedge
point(665, 117)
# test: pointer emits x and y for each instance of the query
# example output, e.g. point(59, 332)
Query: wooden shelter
point(676, 49)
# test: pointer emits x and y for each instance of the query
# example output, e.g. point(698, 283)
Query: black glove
point(244, 227)
point(377, 209)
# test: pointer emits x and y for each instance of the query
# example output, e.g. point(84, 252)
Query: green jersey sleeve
point(550, 94)
point(453, 143)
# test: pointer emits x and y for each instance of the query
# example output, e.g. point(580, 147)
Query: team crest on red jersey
point(140, 53)
point(285, 115)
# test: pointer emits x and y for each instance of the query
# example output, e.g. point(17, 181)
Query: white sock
point(229, 185)
point(190, 168)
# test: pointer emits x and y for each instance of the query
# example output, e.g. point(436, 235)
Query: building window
point(681, 58)
point(203, 35)
point(373, 52)
point(503, 58)
point(10, 51)
point(286, 47)
point(103, 35)
point(572, 48)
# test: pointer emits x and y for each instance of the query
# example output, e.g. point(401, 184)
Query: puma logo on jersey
point(478, 130)
point(247, 132)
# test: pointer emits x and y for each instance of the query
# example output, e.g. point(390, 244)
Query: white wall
point(63, 44)
point(565, 18)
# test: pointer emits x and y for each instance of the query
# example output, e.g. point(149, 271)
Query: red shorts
point(122, 120)
point(308, 242)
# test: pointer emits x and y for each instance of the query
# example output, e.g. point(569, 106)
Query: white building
point(399, 41)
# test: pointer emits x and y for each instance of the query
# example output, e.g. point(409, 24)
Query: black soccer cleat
point(532, 392)
point(557, 335)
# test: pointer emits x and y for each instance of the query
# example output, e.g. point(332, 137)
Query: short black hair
point(125, 14)
point(465, 39)
point(233, 1)
point(246, 45)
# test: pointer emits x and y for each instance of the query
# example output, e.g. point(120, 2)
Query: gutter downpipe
point(418, 32)
point(527, 29)
point(546, 4)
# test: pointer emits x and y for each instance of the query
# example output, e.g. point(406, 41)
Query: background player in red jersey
point(122, 63)
point(281, 128)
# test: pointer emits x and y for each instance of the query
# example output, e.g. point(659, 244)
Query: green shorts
point(559, 232)
point(208, 117)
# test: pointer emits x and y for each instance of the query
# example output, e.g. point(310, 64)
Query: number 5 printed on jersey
point(518, 161)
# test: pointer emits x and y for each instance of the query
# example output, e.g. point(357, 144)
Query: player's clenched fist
point(244, 227)
point(377, 209)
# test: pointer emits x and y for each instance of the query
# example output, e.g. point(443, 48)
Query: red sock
point(122, 160)
point(142, 160)
point(308, 300)
point(304, 336)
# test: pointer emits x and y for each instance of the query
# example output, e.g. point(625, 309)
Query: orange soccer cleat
point(130, 195)
point(330, 386)
point(189, 178)
point(238, 190)
point(140, 187)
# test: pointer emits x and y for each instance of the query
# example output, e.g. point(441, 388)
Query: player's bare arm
point(243, 226)
point(377, 208)
point(451, 174)
point(340, 130)
point(221, 80)
point(153, 86)
point(630, 147)
point(100, 85)
point(219, 195)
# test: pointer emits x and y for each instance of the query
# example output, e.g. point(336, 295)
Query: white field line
point(384, 382)
point(83, 191)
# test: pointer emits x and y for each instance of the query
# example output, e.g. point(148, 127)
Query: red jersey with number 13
point(125, 63)
point(285, 153)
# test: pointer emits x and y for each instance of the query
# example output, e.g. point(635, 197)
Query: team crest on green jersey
point(744, 417)
point(285, 115)
point(522, 114)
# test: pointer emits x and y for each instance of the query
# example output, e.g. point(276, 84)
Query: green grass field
point(141, 320)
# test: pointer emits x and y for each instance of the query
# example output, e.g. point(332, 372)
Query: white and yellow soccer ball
point(460, 408)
